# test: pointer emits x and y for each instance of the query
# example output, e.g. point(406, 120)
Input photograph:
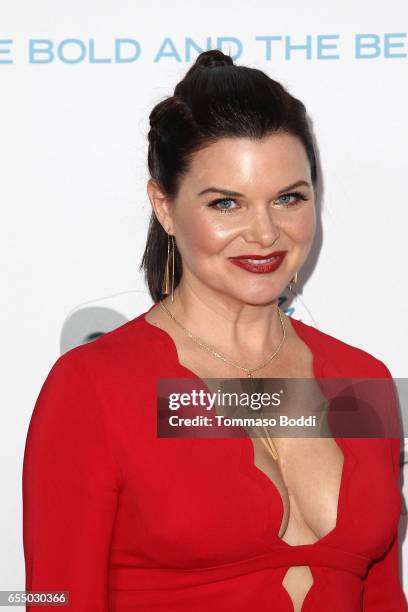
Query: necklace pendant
point(250, 375)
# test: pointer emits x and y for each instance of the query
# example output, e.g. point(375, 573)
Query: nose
point(263, 227)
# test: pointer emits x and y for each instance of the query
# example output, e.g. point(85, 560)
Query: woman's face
point(244, 197)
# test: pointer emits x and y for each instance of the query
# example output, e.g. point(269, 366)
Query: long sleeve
point(382, 587)
point(70, 490)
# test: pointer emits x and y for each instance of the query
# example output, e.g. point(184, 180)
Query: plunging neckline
point(248, 451)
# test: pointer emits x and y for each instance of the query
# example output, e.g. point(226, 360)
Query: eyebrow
point(227, 192)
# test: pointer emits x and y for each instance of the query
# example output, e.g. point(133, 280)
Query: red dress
point(126, 521)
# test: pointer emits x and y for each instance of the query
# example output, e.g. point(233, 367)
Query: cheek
point(301, 227)
point(206, 234)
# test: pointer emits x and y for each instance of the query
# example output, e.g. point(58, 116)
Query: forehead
point(275, 159)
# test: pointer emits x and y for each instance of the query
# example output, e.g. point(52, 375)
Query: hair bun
point(214, 57)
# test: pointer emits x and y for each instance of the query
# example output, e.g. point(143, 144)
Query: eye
point(222, 209)
point(284, 199)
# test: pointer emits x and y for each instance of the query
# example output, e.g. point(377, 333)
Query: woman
point(126, 520)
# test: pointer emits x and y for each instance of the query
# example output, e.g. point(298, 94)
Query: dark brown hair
point(215, 99)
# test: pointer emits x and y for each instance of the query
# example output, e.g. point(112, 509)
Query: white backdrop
point(78, 80)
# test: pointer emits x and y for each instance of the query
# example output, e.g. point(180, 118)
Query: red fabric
point(126, 521)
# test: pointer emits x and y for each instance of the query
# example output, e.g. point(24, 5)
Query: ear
point(160, 204)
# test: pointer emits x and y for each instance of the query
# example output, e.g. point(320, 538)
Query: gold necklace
point(268, 443)
point(216, 354)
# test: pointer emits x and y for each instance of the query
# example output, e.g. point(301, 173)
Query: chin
point(261, 298)
point(249, 293)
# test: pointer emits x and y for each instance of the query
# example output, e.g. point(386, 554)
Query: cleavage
point(307, 476)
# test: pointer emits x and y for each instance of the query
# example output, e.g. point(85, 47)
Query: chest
point(200, 502)
point(307, 474)
point(295, 360)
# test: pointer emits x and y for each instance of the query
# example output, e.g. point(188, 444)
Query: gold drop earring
point(294, 280)
point(168, 279)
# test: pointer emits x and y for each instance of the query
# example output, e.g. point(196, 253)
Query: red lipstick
point(263, 267)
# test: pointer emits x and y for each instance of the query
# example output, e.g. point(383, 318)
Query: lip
point(260, 268)
point(266, 256)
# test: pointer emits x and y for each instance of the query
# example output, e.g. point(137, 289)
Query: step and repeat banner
point(78, 81)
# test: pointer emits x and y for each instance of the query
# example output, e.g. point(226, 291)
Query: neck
point(244, 329)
